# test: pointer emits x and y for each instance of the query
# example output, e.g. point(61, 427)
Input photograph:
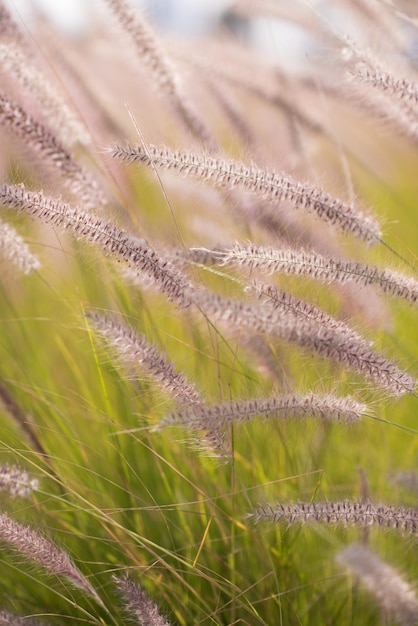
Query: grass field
point(209, 334)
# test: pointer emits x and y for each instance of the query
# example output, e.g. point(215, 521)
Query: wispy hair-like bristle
point(345, 513)
point(61, 118)
point(318, 267)
point(43, 553)
point(342, 347)
point(96, 231)
point(14, 249)
point(44, 142)
point(137, 603)
point(16, 482)
point(393, 594)
point(275, 187)
point(151, 52)
point(10, 619)
point(288, 406)
point(134, 349)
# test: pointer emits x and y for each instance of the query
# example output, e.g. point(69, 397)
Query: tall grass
point(208, 375)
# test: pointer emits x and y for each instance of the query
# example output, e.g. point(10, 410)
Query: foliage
point(207, 386)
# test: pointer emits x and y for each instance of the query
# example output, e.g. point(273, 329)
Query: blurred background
point(186, 18)
point(281, 39)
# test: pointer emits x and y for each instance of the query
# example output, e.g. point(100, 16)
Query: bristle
point(393, 594)
point(231, 174)
point(44, 142)
point(14, 250)
point(347, 514)
point(134, 349)
point(42, 552)
point(137, 604)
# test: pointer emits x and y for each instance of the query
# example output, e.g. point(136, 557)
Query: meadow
point(208, 347)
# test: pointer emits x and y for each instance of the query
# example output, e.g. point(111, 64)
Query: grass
point(121, 489)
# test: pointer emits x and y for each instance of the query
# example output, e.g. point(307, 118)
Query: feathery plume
point(25, 422)
point(60, 116)
point(8, 27)
point(345, 513)
point(137, 603)
point(233, 174)
point(393, 98)
point(343, 348)
point(45, 142)
point(43, 553)
point(318, 267)
point(284, 301)
point(14, 249)
point(213, 418)
point(399, 114)
point(134, 349)
point(146, 43)
point(97, 231)
point(16, 482)
point(151, 52)
point(237, 68)
point(393, 594)
point(407, 480)
point(400, 108)
point(9, 619)
point(335, 340)
point(402, 88)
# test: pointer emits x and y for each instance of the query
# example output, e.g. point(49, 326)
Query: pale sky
point(183, 16)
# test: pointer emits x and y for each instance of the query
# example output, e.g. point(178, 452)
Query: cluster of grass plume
point(208, 306)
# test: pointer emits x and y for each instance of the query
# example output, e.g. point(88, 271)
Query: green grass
point(120, 496)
